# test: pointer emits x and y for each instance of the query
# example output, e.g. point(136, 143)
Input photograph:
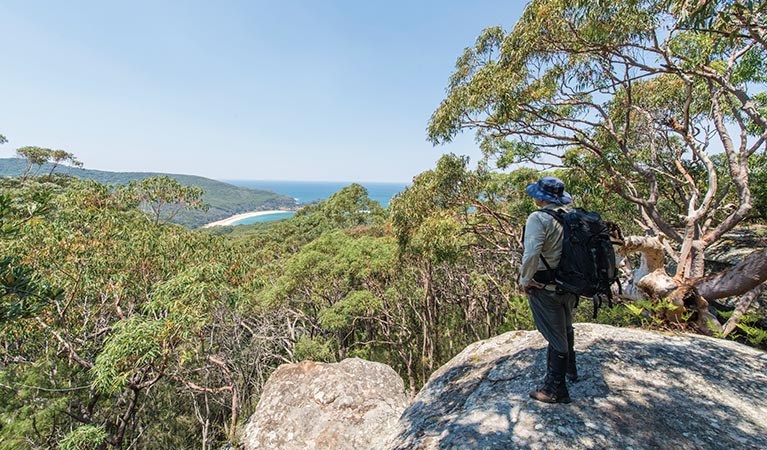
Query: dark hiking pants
point(553, 315)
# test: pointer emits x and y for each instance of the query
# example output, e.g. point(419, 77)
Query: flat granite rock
point(638, 390)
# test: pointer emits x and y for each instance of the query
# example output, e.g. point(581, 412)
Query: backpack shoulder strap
point(559, 216)
point(555, 213)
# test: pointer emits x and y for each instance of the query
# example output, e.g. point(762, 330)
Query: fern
point(754, 335)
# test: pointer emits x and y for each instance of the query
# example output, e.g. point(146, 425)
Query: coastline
point(232, 219)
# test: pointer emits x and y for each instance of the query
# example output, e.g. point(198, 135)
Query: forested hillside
point(223, 199)
point(127, 331)
point(120, 330)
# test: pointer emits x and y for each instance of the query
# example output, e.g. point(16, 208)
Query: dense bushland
point(120, 330)
point(125, 331)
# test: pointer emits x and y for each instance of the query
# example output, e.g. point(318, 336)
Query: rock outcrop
point(638, 390)
point(351, 405)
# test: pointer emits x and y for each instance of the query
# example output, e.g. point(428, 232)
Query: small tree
point(164, 196)
point(38, 156)
point(60, 156)
point(35, 156)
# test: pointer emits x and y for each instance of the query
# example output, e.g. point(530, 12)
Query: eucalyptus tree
point(199, 334)
point(458, 233)
point(339, 271)
point(640, 96)
point(86, 246)
point(336, 284)
point(35, 156)
point(150, 321)
point(427, 225)
point(58, 157)
point(38, 156)
point(318, 264)
point(163, 196)
point(349, 207)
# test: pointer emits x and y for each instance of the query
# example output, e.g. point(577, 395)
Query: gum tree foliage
point(161, 337)
point(22, 292)
point(329, 265)
point(458, 234)
point(60, 156)
point(163, 197)
point(155, 340)
point(38, 156)
point(335, 267)
point(659, 102)
point(350, 207)
point(336, 284)
point(84, 437)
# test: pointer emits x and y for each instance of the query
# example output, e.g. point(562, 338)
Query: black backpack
point(587, 267)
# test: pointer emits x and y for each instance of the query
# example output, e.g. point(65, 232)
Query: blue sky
point(292, 90)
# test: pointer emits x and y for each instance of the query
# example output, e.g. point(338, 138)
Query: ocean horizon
point(311, 191)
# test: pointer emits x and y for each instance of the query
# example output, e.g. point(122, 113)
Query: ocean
point(309, 191)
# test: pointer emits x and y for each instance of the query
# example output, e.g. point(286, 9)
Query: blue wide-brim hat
point(550, 189)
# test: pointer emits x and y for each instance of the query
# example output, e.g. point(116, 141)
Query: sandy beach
point(236, 217)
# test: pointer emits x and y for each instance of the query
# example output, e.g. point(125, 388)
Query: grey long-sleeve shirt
point(543, 236)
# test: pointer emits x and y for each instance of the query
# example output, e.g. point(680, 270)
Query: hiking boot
point(549, 393)
point(554, 389)
point(572, 370)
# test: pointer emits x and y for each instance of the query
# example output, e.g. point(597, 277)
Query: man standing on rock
point(552, 310)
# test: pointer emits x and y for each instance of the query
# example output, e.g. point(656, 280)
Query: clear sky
point(279, 90)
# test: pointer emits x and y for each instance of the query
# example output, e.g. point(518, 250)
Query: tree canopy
point(659, 102)
point(120, 330)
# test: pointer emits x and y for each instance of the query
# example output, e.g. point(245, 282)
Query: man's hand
point(532, 286)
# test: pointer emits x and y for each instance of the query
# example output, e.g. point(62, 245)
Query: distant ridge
point(224, 199)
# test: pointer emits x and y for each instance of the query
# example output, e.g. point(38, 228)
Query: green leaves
point(37, 156)
point(23, 293)
point(314, 349)
point(164, 196)
point(189, 295)
point(355, 305)
point(136, 306)
point(86, 437)
point(134, 345)
point(350, 207)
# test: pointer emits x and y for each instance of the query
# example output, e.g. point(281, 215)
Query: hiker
point(552, 309)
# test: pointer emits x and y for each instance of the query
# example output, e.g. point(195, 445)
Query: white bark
point(650, 279)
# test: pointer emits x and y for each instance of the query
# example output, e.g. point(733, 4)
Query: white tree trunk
point(650, 281)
